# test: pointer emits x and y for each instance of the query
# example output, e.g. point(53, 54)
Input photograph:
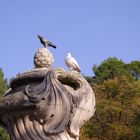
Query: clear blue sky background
point(92, 30)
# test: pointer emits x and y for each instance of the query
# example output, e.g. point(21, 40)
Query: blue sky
point(92, 30)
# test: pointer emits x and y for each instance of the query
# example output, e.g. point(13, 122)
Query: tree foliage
point(109, 69)
point(3, 134)
point(3, 83)
point(117, 89)
point(134, 68)
point(3, 87)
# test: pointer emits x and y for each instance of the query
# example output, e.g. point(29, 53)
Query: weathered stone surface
point(47, 105)
point(43, 58)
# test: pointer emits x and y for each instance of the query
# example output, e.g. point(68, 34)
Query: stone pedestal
point(47, 105)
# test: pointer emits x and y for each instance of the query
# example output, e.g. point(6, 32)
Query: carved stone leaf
point(53, 103)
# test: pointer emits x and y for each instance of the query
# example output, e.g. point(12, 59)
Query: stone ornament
point(43, 58)
point(47, 104)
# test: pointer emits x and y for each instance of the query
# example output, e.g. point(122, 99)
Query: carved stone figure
point(47, 104)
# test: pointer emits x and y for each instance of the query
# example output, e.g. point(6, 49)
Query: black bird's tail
point(51, 44)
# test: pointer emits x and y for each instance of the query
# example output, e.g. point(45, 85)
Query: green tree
point(3, 87)
point(136, 126)
point(3, 83)
point(117, 107)
point(134, 68)
point(117, 89)
point(3, 134)
point(109, 69)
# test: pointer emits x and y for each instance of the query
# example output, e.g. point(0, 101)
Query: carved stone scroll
point(47, 105)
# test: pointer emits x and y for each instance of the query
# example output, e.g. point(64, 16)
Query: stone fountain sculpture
point(47, 103)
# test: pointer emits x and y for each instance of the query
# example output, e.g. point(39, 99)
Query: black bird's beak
point(51, 44)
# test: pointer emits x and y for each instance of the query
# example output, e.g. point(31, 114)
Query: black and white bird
point(46, 42)
point(72, 63)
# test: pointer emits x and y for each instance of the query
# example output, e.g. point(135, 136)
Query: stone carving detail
point(43, 58)
point(47, 105)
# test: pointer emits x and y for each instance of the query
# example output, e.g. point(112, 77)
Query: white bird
point(72, 63)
